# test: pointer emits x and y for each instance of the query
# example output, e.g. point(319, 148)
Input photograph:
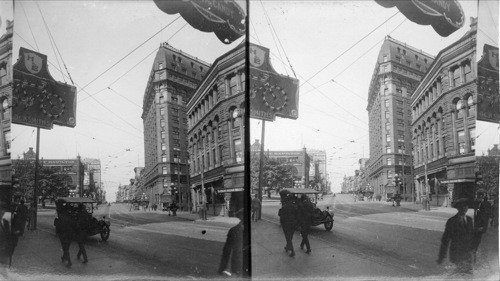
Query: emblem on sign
point(257, 56)
point(33, 62)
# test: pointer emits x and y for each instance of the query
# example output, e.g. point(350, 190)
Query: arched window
point(470, 106)
point(5, 110)
point(459, 109)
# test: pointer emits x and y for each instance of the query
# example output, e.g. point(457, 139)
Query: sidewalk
point(37, 257)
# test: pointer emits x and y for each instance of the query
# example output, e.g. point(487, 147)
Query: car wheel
point(105, 233)
point(329, 223)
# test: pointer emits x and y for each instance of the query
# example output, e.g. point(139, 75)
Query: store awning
point(227, 190)
point(457, 180)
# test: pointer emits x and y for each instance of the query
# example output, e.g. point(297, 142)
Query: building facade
point(174, 77)
point(398, 70)
point(5, 103)
point(216, 135)
point(444, 122)
point(299, 159)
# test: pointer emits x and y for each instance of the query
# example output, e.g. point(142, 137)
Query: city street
point(142, 244)
point(368, 239)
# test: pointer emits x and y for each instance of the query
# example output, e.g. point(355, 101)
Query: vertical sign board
point(223, 17)
point(271, 94)
point(445, 16)
point(38, 100)
point(488, 96)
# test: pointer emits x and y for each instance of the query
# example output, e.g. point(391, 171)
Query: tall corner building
point(397, 73)
point(5, 103)
point(216, 132)
point(174, 77)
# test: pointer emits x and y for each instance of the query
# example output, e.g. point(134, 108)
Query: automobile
point(72, 206)
point(324, 217)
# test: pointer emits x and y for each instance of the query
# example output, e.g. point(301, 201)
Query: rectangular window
point(461, 141)
point(242, 79)
point(387, 138)
point(162, 123)
point(467, 72)
point(388, 149)
point(389, 161)
point(401, 138)
point(456, 77)
point(387, 115)
point(388, 126)
point(385, 58)
point(238, 151)
point(164, 170)
point(472, 139)
point(389, 174)
point(163, 134)
point(164, 158)
point(6, 136)
point(163, 146)
point(162, 111)
point(233, 85)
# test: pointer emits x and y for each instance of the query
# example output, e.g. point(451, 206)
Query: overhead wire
point(133, 67)
point(29, 25)
point(129, 53)
point(273, 35)
point(352, 46)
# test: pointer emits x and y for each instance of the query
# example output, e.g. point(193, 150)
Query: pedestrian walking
point(8, 241)
point(305, 216)
point(256, 207)
point(288, 219)
point(31, 217)
point(64, 229)
point(234, 249)
point(459, 237)
point(483, 214)
point(83, 223)
point(20, 218)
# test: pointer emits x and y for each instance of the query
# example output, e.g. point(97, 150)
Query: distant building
point(444, 122)
point(92, 172)
point(72, 167)
point(5, 103)
point(495, 151)
point(398, 70)
point(217, 135)
point(174, 77)
point(299, 159)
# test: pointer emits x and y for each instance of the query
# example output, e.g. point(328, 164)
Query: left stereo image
point(128, 140)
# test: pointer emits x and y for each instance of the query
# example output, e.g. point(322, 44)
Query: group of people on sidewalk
point(296, 213)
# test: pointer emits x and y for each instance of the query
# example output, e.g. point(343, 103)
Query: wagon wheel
point(329, 223)
point(105, 233)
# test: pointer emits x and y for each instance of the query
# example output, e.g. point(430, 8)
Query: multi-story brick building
point(217, 135)
point(398, 70)
point(174, 77)
point(5, 103)
point(444, 121)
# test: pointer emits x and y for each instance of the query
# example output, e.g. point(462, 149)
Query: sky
point(319, 39)
point(91, 37)
point(5, 14)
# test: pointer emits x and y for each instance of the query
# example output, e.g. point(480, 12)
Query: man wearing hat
point(459, 235)
point(234, 249)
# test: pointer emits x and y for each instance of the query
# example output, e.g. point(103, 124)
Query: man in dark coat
point(65, 227)
point(305, 216)
point(20, 218)
point(83, 221)
point(288, 219)
point(483, 214)
point(256, 206)
point(459, 235)
point(233, 248)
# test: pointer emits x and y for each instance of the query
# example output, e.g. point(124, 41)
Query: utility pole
point(261, 163)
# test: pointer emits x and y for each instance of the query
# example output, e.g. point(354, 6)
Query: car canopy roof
point(74, 200)
point(299, 191)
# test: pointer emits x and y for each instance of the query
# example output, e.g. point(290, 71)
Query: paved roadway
point(370, 239)
point(150, 244)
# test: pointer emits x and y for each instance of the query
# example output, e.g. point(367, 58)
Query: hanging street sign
point(271, 94)
point(488, 95)
point(225, 18)
point(445, 16)
point(38, 100)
